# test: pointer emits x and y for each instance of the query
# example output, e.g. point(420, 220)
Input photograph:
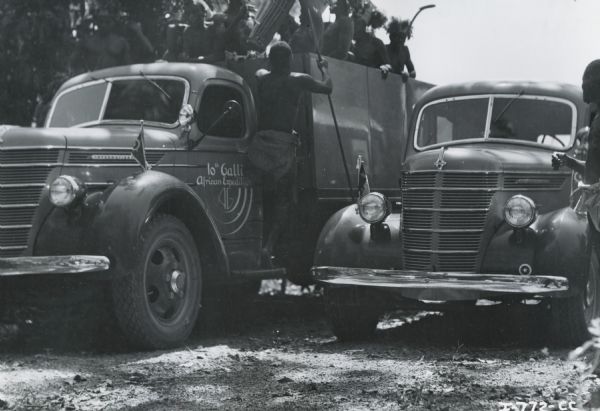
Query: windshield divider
point(105, 101)
point(488, 119)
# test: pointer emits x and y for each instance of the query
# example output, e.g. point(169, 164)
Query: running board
point(260, 274)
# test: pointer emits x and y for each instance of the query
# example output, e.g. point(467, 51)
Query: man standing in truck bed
point(273, 148)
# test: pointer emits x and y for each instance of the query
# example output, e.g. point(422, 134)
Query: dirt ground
point(277, 352)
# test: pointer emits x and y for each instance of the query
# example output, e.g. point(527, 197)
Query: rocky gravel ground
point(277, 352)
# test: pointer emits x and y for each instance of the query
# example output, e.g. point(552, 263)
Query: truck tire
point(157, 303)
point(351, 315)
point(572, 316)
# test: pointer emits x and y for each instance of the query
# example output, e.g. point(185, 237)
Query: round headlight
point(373, 208)
point(64, 190)
point(186, 115)
point(519, 211)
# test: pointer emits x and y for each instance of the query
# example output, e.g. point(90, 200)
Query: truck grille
point(23, 175)
point(444, 214)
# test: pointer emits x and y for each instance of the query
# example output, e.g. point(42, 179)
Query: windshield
point(527, 119)
point(157, 100)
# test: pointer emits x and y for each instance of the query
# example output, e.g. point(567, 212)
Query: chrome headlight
point(64, 190)
point(520, 211)
point(373, 208)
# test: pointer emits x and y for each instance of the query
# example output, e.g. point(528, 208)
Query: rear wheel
point(351, 315)
point(157, 303)
point(572, 316)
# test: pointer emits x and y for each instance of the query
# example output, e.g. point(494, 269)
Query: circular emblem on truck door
point(236, 205)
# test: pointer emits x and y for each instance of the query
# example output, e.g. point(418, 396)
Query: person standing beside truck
point(272, 150)
point(590, 169)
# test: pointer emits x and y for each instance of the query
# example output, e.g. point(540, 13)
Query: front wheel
point(572, 316)
point(157, 302)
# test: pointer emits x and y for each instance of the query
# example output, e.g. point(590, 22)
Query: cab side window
point(212, 106)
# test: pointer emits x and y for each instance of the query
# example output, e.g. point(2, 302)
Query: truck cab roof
point(550, 89)
point(194, 73)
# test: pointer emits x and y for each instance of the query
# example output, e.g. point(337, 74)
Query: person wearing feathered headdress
point(369, 50)
point(398, 52)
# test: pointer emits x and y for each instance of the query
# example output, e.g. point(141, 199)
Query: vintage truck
point(483, 218)
point(75, 205)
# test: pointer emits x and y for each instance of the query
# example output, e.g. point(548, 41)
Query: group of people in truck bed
point(196, 33)
point(211, 37)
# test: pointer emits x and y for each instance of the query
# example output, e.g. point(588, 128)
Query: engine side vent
point(552, 181)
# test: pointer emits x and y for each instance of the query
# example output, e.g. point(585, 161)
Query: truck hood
point(117, 137)
point(483, 157)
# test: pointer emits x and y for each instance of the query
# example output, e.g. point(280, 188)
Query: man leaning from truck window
point(279, 93)
point(590, 169)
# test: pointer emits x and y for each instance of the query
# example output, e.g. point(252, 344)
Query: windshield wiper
point(155, 84)
point(507, 106)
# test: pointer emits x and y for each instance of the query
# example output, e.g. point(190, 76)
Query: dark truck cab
point(75, 204)
point(483, 215)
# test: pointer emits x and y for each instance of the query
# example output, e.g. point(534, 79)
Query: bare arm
point(261, 73)
point(576, 165)
point(309, 83)
point(409, 65)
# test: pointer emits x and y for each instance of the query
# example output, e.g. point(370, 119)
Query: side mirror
point(363, 179)
point(232, 107)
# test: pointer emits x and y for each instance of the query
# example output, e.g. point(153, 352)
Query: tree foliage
point(37, 38)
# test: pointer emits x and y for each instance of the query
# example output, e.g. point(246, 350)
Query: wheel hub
point(177, 282)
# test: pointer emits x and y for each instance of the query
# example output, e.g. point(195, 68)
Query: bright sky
point(466, 40)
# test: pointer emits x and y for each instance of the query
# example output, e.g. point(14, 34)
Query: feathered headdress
point(396, 26)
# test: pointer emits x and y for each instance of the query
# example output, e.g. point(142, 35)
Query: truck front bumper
point(444, 286)
point(70, 264)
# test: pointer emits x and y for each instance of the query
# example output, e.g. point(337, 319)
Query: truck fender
point(555, 245)
point(347, 240)
point(593, 210)
point(132, 202)
point(562, 244)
